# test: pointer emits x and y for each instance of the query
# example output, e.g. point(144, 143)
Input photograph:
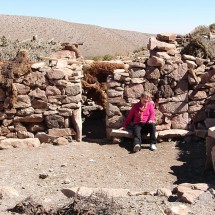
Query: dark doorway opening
point(94, 126)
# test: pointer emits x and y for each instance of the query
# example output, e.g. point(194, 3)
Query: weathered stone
point(180, 121)
point(115, 121)
point(19, 143)
point(73, 89)
point(36, 127)
point(113, 93)
point(45, 138)
point(194, 108)
point(23, 101)
point(137, 74)
point(188, 57)
point(177, 210)
point(22, 89)
point(165, 134)
point(137, 80)
point(155, 61)
point(191, 64)
point(35, 79)
point(52, 91)
point(165, 91)
point(163, 55)
point(168, 68)
point(209, 76)
point(198, 95)
point(39, 104)
point(134, 91)
point(29, 118)
point(121, 133)
point(177, 98)
point(150, 87)
point(71, 99)
point(54, 121)
point(24, 134)
point(61, 132)
point(200, 70)
point(77, 121)
point(174, 107)
point(199, 61)
point(61, 64)
point(163, 192)
point(7, 122)
point(112, 84)
point(190, 192)
point(61, 141)
point(65, 111)
point(68, 54)
point(155, 44)
point(72, 105)
point(38, 65)
point(55, 74)
point(167, 37)
point(181, 87)
point(179, 73)
point(112, 110)
point(152, 73)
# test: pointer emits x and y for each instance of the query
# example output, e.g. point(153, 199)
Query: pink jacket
point(140, 115)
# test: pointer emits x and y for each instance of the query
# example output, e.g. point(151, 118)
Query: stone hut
point(41, 100)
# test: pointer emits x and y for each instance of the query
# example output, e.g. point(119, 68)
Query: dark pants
point(144, 128)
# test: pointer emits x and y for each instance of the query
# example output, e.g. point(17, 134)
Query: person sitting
point(143, 115)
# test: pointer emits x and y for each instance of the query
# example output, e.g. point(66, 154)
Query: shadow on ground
point(192, 154)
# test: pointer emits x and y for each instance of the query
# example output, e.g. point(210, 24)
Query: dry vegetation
point(94, 82)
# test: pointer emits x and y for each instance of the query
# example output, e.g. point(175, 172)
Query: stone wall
point(46, 101)
point(182, 87)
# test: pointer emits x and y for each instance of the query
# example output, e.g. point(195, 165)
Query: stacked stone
point(182, 87)
point(48, 101)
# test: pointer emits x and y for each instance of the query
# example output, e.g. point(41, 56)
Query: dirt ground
point(104, 165)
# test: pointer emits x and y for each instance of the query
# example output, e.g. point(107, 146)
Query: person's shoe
point(136, 148)
point(153, 147)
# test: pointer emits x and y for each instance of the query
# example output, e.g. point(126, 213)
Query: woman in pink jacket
point(143, 115)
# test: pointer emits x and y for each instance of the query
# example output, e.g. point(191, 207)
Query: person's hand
point(122, 128)
point(150, 121)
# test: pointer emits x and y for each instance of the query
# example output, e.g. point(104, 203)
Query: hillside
point(97, 40)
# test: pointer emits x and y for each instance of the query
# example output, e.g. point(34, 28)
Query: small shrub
point(108, 57)
point(212, 27)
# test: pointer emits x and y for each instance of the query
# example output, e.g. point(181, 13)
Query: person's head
point(145, 97)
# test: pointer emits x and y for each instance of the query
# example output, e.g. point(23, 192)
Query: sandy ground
point(105, 166)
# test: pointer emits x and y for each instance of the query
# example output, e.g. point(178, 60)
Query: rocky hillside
point(97, 40)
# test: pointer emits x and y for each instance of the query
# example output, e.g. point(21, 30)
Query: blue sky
point(148, 16)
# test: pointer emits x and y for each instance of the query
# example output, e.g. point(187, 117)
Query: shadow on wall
point(192, 153)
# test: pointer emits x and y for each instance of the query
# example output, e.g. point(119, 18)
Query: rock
point(163, 192)
point(61, 141)
point(189, 193)
point(43, 176)
point(87, 191)
point(177, 210)
point(19, 143)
